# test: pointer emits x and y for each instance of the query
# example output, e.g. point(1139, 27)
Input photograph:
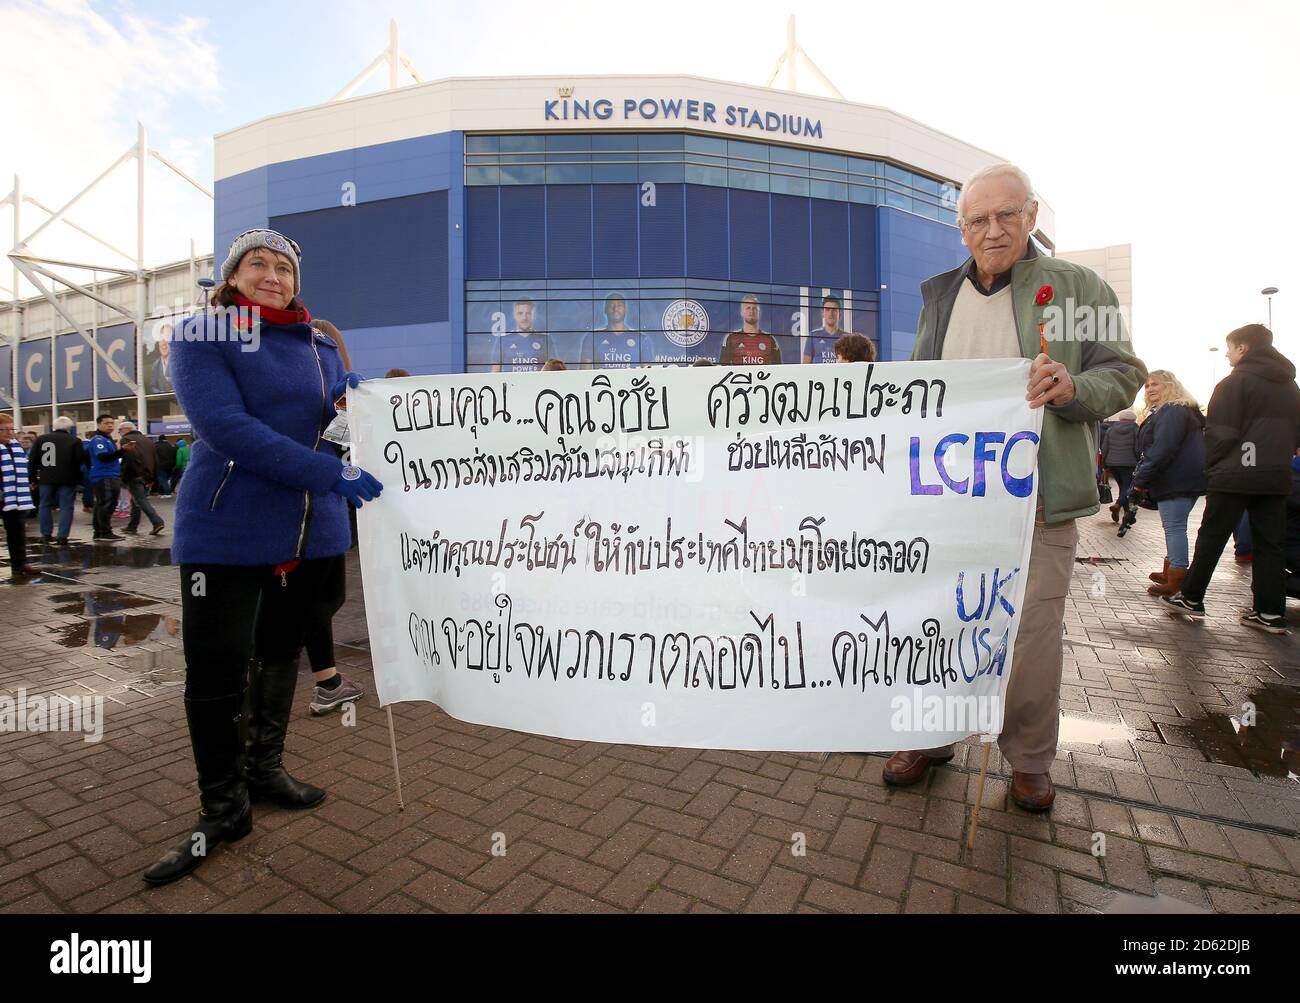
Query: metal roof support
point(793, 52)
point(33, 273)
point(32, 267)
point(392, 57)
point(16, 312)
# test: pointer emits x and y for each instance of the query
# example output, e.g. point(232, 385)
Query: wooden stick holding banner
point(397, 773)
point(979, 791)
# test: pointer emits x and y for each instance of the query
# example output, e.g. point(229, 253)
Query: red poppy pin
point(1044, 296)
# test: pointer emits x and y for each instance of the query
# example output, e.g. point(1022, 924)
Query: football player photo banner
point(764, 558)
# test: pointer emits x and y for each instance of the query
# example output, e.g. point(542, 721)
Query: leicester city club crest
point(686, 323)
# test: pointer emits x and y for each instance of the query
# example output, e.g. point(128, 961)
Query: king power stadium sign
point(570, 109)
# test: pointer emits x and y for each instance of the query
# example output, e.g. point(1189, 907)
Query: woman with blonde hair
point(1171, 470)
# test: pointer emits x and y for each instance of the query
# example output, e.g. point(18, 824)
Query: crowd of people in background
point(1242, 454)
point(48, 475)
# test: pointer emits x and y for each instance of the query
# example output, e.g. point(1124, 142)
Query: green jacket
point(1107, 375)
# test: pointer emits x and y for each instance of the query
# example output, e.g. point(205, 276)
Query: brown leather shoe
point(905, 768)
point(1159, 576)
point(1173, 583)
point(1032, 791)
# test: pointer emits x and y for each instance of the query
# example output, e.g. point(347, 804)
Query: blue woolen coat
point(258, 486)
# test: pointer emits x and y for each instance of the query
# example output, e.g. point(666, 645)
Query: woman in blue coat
point(1171, 470)
point(259, 515)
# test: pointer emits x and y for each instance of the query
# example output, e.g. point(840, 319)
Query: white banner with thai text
point(800, 558)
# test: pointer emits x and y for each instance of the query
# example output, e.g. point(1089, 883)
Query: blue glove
point(362, 488)
point(341, 387)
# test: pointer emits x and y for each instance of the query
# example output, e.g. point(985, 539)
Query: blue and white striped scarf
point(13, 476)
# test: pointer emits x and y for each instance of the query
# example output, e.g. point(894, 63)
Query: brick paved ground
point(1194, 817)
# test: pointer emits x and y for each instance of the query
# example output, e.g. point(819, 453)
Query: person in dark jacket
point(139, 467)
point(1293, 531)
point(55, 468)
point(1171, 470)
point(1250, 441)
point(166, 453)
point(262, 515)
point(1119, 455)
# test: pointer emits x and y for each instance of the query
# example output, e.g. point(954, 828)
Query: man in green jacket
point(998, 304)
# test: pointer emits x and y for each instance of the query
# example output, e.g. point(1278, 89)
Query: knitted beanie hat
point(250, 239)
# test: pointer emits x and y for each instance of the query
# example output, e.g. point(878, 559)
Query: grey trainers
point(323, 701)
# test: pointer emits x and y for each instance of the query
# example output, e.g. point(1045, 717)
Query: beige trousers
point(1033, 707)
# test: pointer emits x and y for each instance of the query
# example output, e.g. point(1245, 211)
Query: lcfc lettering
point(1017, 487)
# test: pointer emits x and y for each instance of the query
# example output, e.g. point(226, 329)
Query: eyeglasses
point(1005, 218)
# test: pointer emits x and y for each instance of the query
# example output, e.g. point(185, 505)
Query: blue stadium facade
point(510, 233)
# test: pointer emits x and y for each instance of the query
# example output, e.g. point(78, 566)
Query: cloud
point(76, 81)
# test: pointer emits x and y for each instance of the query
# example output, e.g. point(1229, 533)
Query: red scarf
point(270, 315)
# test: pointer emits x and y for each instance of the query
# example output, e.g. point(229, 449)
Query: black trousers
point(139, 492)
point(234, 613)
point(320, 632)
point(1124, 477)
point(1268, 534)
point(16, 537)
point(106, 492)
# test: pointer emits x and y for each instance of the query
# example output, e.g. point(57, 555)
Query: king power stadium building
point(488, 225)
point(480, 225)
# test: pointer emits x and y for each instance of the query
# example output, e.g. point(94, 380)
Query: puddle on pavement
point(1125, 903)
point(109, 631)
point(1271, 746)
point(152, 664)
point(1093, 730)
point(97, 602)
point(79, 557)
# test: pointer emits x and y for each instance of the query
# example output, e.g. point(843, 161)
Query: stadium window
point(699, 175)
point(835, 190)
point(568, 174)
point(614, 141)
point(751, 180)
point(519, 144)
point(482, 175)
point(523, 175)
point(788, 156)
point(787, 185)
point(706, 144)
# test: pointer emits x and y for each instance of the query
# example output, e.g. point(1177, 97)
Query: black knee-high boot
point(270, 704)
point(226, 814)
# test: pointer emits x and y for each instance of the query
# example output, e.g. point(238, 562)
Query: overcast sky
point(1170, 126)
